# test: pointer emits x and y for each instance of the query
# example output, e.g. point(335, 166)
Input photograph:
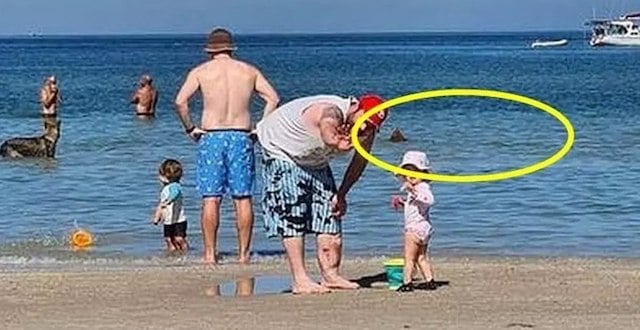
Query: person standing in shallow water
point(50, 98)
point(145, 98)
point(225, 161)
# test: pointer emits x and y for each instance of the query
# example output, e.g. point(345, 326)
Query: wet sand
point(484, 293)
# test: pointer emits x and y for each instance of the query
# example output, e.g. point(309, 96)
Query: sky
point(299, 16)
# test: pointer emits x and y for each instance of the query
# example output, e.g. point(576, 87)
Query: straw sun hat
point(220, 40)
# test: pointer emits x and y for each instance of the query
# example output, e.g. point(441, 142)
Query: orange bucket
point(81, 239)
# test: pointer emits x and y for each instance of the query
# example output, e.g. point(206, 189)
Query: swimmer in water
point(50, 98)
point(145, 98)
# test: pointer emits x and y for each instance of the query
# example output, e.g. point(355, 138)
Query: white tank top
point(283, 134)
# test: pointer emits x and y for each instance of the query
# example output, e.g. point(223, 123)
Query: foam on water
point(88, 262)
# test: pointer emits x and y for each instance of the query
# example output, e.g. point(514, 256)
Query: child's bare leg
point(170, 246)
point(410, 256)
point(425, 264)
point(177, 241)
point(181, 243)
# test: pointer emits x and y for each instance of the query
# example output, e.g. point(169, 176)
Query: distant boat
point(623, 31)
point(549, 43)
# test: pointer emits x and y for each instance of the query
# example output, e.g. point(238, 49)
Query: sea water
point(104, 176)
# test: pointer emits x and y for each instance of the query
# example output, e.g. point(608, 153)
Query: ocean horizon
point(28, 35)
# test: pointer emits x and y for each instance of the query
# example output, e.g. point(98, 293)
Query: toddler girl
point(417, 223)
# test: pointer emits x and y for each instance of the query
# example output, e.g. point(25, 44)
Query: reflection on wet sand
point(244, 287)
point(249, 286)
point(265, 285)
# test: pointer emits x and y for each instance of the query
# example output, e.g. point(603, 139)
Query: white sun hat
point(416, 158)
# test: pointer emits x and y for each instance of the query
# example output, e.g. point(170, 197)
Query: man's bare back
point(145, 97)
point(227, 86)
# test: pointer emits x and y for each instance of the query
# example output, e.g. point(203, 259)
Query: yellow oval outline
point(468, 178)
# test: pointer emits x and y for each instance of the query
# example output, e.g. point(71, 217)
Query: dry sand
point(501, 293)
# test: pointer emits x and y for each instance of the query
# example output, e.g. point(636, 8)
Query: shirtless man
point(225, 161)
point(50, 98)
point(145, 98)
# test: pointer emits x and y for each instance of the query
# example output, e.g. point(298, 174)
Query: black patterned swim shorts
point(297, 200)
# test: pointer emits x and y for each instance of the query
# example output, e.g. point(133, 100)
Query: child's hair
point(412, 167)
point(171, 169)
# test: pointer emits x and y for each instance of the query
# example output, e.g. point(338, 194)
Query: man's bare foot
point(339, 283)
point(210, 260)
point(309, 288)
point(244, 260)
point(210, 266)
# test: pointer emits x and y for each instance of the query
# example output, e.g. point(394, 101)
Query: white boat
point(623, 31)
point(549, 43)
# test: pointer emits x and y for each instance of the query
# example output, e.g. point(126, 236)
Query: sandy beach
point(484, 293)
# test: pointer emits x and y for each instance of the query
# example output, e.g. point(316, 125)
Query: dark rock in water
point(397, 136)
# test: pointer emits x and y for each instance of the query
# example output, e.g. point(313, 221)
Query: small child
point(169, 210)
point(417, 223)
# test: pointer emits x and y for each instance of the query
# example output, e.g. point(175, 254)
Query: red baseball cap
point(370, 101)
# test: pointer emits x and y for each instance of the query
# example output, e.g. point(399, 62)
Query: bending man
point(300, 196)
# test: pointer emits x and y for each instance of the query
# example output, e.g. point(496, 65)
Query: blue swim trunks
point(225, 164)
